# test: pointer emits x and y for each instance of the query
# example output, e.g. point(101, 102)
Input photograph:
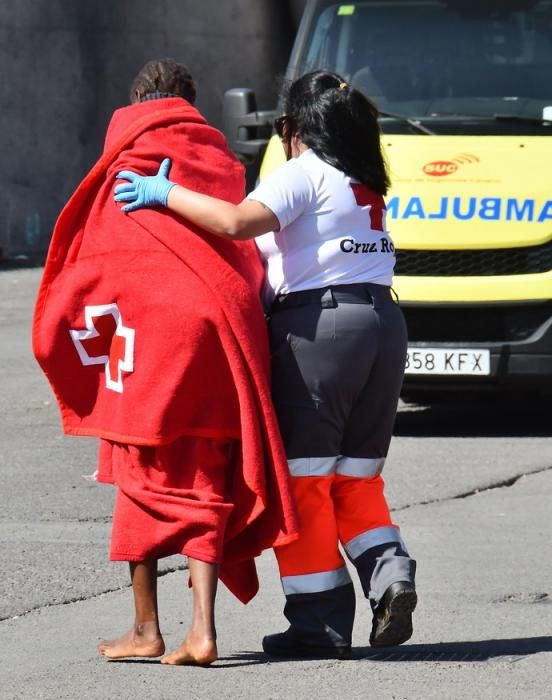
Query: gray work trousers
point(338, 357)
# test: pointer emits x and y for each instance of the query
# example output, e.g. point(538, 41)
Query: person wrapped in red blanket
point(153, 338)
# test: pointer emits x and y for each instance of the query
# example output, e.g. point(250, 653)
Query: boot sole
point(395, 627)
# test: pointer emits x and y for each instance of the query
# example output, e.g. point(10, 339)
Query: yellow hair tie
point(343, 86)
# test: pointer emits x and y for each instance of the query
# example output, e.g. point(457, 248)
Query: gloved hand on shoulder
point(144, 191)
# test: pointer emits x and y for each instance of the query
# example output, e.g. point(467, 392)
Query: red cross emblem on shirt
point(106, 342)
point(368, 199)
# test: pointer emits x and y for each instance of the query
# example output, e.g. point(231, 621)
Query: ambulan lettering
point(384, 245)
point(466, 208)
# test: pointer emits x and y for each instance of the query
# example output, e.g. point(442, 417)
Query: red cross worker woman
point(338, 342)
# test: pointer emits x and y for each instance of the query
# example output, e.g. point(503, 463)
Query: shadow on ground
point(458, 652)
point(482, 417)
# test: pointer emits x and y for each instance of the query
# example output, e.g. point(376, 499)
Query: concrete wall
point(67, 64)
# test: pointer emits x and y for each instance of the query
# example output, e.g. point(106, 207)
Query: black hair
point(340, 124)
point(164, 78)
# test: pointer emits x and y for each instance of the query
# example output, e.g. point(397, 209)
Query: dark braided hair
point(163, 78)
point(340, 124)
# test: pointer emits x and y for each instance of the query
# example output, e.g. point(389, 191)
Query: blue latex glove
point(144, 191)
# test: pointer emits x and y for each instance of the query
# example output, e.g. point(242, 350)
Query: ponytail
point(163, 78)
point(341, 126)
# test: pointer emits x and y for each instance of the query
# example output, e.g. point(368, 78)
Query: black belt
point(330, 297)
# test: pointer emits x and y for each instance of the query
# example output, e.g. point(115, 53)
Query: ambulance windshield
point(439, 58)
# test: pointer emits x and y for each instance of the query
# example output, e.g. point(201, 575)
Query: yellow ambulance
point(464, 88)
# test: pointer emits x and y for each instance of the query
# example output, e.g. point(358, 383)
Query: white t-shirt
point(332, 229)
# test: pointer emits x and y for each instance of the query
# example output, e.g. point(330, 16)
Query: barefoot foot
point(194, 651)
point(143, 640)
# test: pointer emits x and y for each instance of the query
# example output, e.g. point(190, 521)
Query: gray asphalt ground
point(471, 487)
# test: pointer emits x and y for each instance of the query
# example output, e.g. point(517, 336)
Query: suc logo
point(441, 168)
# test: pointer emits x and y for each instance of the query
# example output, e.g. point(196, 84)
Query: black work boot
point(392, 622)
point(286, 645)
point(321, 625)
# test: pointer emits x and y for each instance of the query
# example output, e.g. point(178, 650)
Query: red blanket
point(148, 329)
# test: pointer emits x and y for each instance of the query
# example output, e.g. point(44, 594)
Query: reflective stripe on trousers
point(372, 538)
point(346, 466)
point(316, 583)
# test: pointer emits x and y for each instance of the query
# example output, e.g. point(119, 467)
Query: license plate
point(471, 361)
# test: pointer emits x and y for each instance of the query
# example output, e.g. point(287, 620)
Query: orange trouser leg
point(360, 506)
point(317, 548)
point(368, 535)
point(320, 597)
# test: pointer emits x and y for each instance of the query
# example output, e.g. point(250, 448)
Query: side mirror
point(247, 130)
